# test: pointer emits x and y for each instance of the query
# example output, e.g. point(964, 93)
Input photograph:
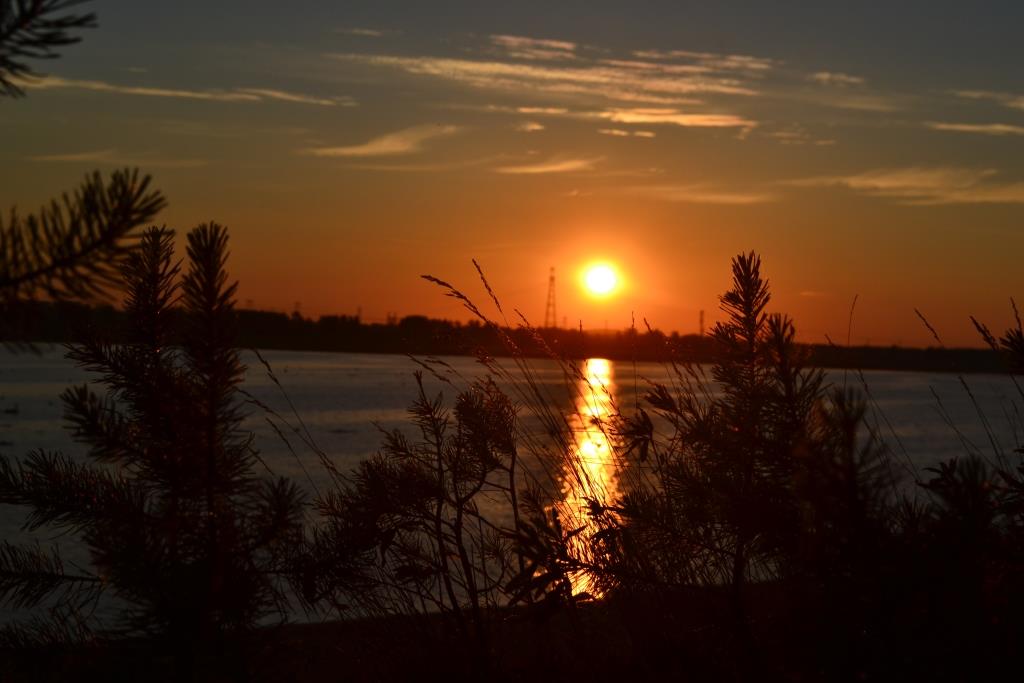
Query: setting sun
point(600, 279)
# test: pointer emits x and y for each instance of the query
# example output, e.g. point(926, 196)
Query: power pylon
point(550, 313)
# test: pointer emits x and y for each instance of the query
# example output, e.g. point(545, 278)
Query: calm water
point(344, 400)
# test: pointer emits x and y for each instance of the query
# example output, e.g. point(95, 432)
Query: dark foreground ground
point(691, 637)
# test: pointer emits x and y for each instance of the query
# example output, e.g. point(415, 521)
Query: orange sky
point(354, 149)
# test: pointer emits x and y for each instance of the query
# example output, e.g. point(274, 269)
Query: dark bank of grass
point(683, 635)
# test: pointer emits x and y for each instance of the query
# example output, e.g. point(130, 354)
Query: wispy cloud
point(286, 96)
point(698, 193)
point(363, 32)
point(846, 98)
point(97, 155)
point(406, 141)
point(233, 95)
point(113, 157)
point(534, 48)
point(618, 132)
point(796, 135)
point(676, 118)
point(712, 60)
point(1011, 100)
point(680, 87)
point(835, 78)
point(587, 80)
point(980, 128)
point(926, 185)
point(556, 165)
point(554, 111)
point(530, 127)
point(429, 166)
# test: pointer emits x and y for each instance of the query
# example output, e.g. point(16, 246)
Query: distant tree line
point(61, 322)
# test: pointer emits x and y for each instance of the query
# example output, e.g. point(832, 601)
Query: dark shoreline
point(422, 336)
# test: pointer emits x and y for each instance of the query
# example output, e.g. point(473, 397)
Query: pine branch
point(29, 574)
point(33, 29)
point(66, 494)
point(74, 248)
point(213, 361)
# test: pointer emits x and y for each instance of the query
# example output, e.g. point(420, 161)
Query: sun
point(600, 279)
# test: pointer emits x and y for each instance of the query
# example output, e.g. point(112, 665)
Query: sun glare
point(600, 279)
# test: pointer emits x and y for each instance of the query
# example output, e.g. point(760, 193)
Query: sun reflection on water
point(591, 474)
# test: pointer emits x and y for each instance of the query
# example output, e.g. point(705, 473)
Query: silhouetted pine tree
point(176, 521)
point(722, 505)
point(413, 530)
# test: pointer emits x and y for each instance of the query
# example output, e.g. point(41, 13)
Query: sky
point(865, 150)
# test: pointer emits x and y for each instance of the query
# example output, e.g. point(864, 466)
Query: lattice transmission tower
point(550, 312)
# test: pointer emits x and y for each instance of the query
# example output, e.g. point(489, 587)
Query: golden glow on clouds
point(535, 48)
point(611, 83)
point(835, 78)
point(926, 186)
point(677, 118)
point(404, 141)
point(982, 128)
point(699, 194)
point(551, 166)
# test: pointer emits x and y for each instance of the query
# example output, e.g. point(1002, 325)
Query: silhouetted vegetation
point(73, 247)
point(33, 30)
point(178, 525)
point(745, 521)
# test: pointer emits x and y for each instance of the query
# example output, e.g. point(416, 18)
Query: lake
point(343, 401)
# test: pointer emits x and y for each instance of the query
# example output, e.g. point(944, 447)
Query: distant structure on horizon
point(550, 312)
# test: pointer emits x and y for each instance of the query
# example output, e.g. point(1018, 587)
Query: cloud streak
point(618, 132)
point(113, 157)
point(1011, 100)
point(596, 81)
point(551, 166)
point(234, 95)
point(676, 118)
point(712, 61)
point(363, 32)
point(530, 127)
point(406, 141)
point(926, 186)
point(979, 128)
point(835, 78)
point(698, 193)
point(534, 48)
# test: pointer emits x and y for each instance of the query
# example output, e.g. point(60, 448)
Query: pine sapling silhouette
point(176, 520)
point(413, 529)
